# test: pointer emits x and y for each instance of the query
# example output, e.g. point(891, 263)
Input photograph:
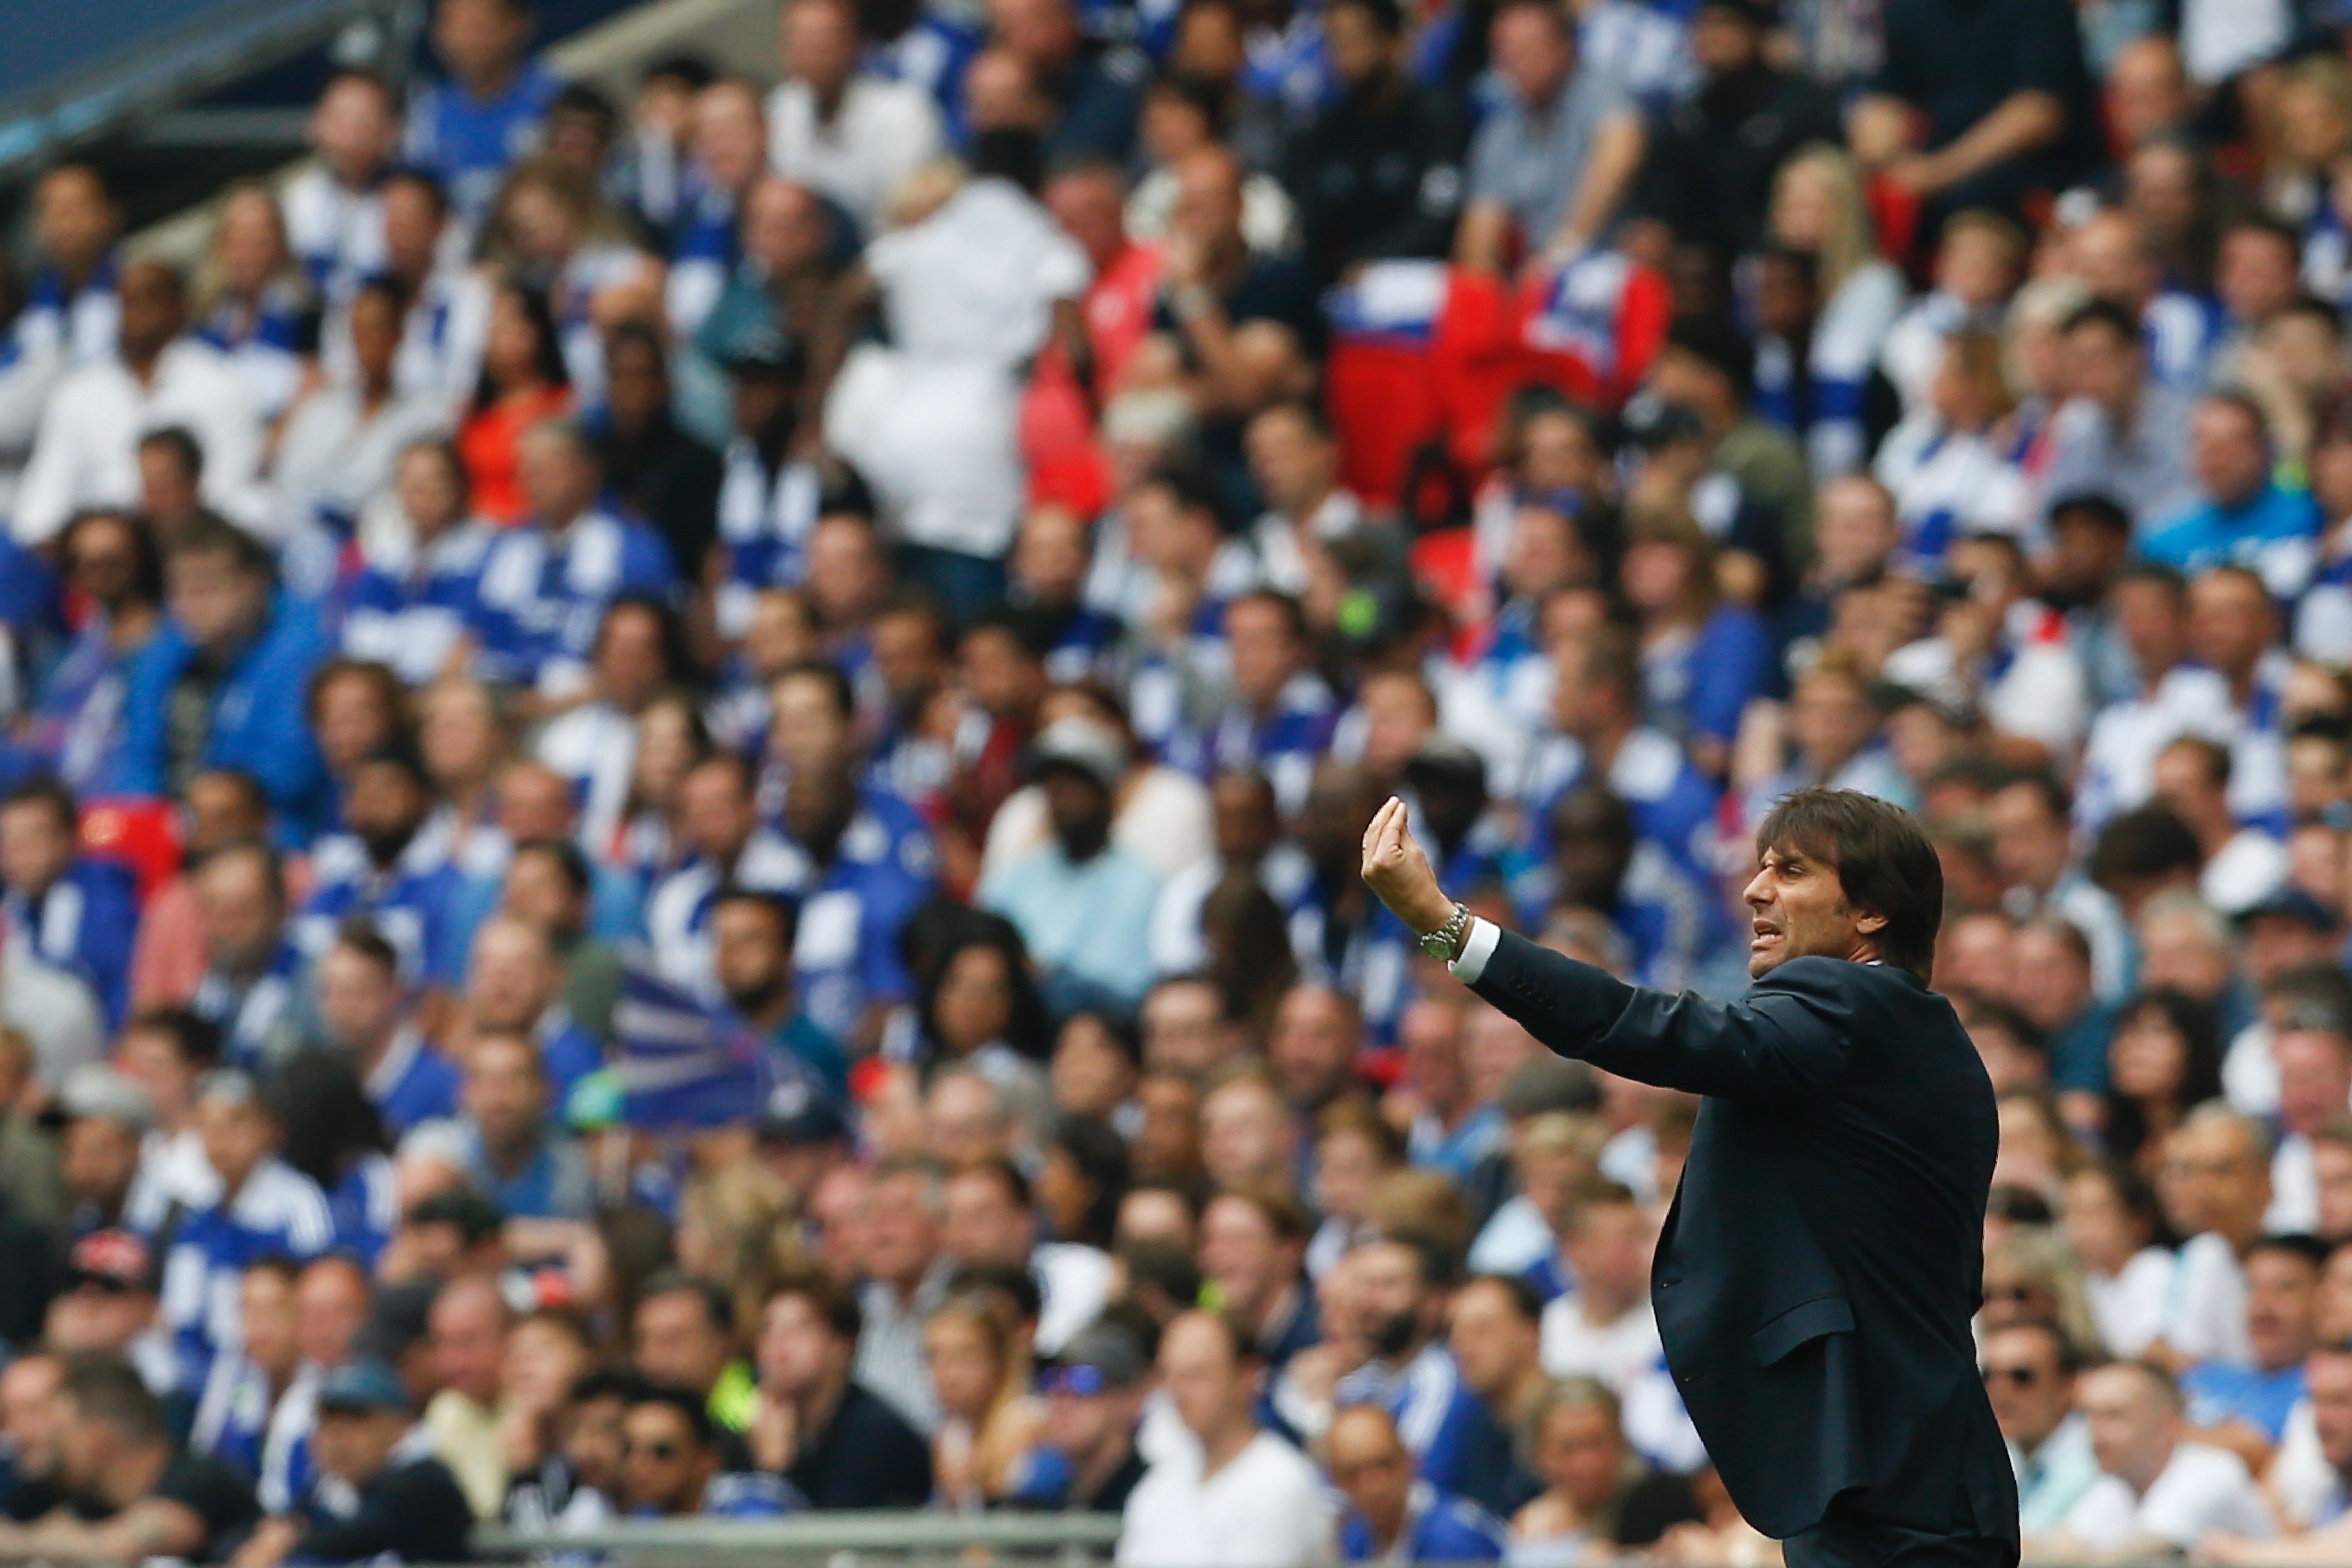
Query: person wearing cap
point(106, 1302)
point(381, 1496)
point(1083, 905)
point(1394, 1517)
point(384, 872)
point(128, 1492)
point(1713, 157)
point(1242, 1497)
point(815, 1425)
point(264, 1205)
point(108, 1122)
point(1095, 1394)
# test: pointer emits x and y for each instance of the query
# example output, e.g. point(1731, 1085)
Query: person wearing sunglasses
point(670, 1464)
point(2029, 1376)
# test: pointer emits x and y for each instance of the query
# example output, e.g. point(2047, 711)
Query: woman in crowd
point(252, 301)
point(2116, 1228)
point(413, 603)
point(524, 381)
point(2031, 1276)
point(77, 718)
point(1703, 657)
point(2165, 1060)
point(1818, 212)
point(980, 1011)
point(1599, 1498)
point(1953, 467)
point(988, 1417)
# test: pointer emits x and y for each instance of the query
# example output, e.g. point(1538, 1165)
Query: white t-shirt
point(2206, 1318)
point(1617, 1353)
point(2203, 1489)
point(1266, 1508)
point(2129, 1307)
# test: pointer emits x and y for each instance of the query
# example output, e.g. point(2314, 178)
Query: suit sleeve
point(1784, 1045)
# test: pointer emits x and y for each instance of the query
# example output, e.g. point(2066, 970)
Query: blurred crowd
point(684, 763)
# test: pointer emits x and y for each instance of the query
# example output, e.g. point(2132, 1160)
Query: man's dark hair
point(361, 937)
point(146, 554)
point(1189, 487)
point(692, 1408)
point(827, 674)
point(835, 1304)
point(590, 103)
point(716, 1306)
point(1014, 1282)
point(1526, 1300)
point(182, 446)
point(196, 1040)
point(105, 1387)
point(1009, 153)
point(2169, 578)
point(2069, 1354)
point(49, 792)
point(424, 180)
point(207, 533)
point(622, 1383)
point(2312, 1249)
point(1719, 341)
point(2146, 841)
point(1884, 862)
point(2104, 313)
point(776, 904)
point(2096, 508)
point(690, 71)
point(569, 861)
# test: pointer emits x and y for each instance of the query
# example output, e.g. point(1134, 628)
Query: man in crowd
point(838, 1445)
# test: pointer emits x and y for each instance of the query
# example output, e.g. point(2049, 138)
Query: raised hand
point(1397, 872)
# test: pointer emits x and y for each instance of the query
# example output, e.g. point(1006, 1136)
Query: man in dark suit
point(1817, 1274)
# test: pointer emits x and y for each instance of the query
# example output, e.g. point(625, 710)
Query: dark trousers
point(1845, 1539)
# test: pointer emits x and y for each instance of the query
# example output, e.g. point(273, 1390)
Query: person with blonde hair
point(1818, 212)
point(2030, 1275)
point(252, 301)
point(989, 1418)
point(1599, 1498)
point(1955, 466)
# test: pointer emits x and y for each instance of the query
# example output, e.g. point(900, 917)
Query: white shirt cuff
point(1476, 949)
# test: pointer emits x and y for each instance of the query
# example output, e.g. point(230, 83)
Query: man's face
point(504, 1091)
point(72, 219)
point(1370, 1464)
point(748, 952)
point(797, 1347)
point(662, 1468)
point(34, 847)
point(2328, 1383)
point(1394, 1297)
point(1265, 652)
point(331, 1307)
point(1531, 53)
point(2029, 841)
point(1197, 1368)
point(557, 479)
point(1312, 1048)
point(1610, 1245)
point(98, 1157)
point(2029, 1392)
point(154, 310)
point(677, 1342)
point(2332, 1165)
point(353, 130)
point(1184, 1029)
point(901, 1236)
point(1245, 1134)
point(1494, 1344)
point(593, 1439)
point(1240, 1250)
point(982, 1224)
point(513, 977)
point(2212, 1178)
point(2101, 365)
point(28, 1413)
point(479, 39)
point(1799, 909)
point(236, 1135)
point(216, 602)
point(716, 814)
point(820, 45)
point(2281, 1295)
point(2230, 620)
point(359, 999)
point(354, 1445)
point(2226, 453)
point(86, 1449)
point(2314, 1078)
point(2132, 1427)
point(1081, 809)
point(97, 1315)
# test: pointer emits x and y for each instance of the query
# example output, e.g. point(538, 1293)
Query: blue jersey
point(1438, 1528)
point(85, 924)
point(1673, 804)
point(764, 518)
point(413, 905)
point(413, 1083)
point(64, 327)
point(410, 607)
point(1372, 963)
point(1700, 685)
point(277, 1212)
point(365, 1207)
point(846, 949)
point(265, 346)
point(2215, 1392)
point(678, 915)
point(468, 143)
point(2276, 533)
point(1284, 744)
point(250, 1014)
point(232, 1415)
point(543, 595)
point(1434, 1410)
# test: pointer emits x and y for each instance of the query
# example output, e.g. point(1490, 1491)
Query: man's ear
point(1869, 924)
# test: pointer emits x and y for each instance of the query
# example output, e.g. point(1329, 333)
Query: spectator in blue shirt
point(2243, 516)
point(251, 963)
point(384, 872)
point(869, 867)
point(1391, 1517)
point(116, 564)
point(79, 914)
point(362, 1007)
point(515, 984)
point(1412, 1377)
point(752, 953)
point(546, 584)
point(466, 130)
point(504, 1143)
point(415, 596)
point(1704, 659)
point(1599, 862)
point(2234, 1402)
point(1083, 906)
point(225, 683)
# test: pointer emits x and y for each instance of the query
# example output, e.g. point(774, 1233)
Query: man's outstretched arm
point(1787, 1044)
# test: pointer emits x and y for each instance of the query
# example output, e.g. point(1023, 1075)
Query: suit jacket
point(1817, 1274)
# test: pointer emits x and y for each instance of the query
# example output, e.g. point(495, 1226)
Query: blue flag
point(683, 1064)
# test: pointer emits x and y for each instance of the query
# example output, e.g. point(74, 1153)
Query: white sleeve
point(1476, 949)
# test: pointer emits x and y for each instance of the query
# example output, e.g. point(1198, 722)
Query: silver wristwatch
point(1444, 943)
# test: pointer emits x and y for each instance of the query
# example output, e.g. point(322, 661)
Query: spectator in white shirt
point(2215, 1184)
point(2242, 865)
point(87, 454)
point(68, 317)
point(342, 439)
point(1243, 1499)
point(849, 135)
point(2314, 1052)
point(334, 207)
point(2156, 1496)
point(1604, 1327)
